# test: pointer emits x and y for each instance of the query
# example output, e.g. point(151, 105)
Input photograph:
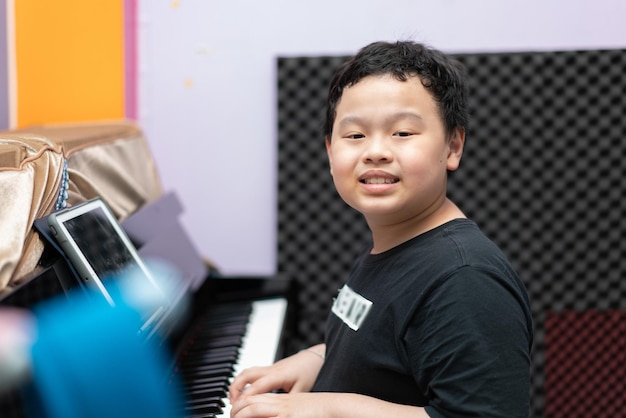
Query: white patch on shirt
point(351, 307)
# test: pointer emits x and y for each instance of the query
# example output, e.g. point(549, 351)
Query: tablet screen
point(102, 247)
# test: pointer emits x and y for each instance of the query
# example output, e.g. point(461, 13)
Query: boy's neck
point(386, 237)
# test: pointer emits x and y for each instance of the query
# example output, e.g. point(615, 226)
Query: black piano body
point(211, 298)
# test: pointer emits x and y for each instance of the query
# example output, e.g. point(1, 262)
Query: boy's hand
point(296, 373)
point(292, 405)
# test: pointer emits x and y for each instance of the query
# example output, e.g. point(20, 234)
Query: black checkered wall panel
point(542, 174)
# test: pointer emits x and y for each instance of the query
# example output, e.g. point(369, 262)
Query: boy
point(433, 321)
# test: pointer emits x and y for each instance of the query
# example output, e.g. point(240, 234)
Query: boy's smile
point(377, 177)
point(389, 154)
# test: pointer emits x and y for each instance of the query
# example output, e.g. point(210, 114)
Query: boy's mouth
point(377, 177)
point(379, 180)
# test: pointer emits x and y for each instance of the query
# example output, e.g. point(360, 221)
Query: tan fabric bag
point(107, 159)
point(31, 168)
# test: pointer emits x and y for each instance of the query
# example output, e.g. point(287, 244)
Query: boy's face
point(388, 153)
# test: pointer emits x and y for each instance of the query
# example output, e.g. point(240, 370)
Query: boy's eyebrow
point(350, 120)
point(358, 120)
point(405, 115)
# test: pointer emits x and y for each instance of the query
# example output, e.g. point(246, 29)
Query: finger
point(243, 380)
point(258, 406)
point(265, 384)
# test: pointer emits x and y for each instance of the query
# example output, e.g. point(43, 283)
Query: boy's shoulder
point(462, 242)
point(456, 234)
point(456, 243)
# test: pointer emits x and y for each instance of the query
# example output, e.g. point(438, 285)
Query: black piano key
point(225, 356)
point(203, 390)
point(202, 415)
point(188, 356)
point(209, 357)
point(207, 400)
point(202, 399)
point(193, 389)
point(211, 407)
point(203, 365)
point(224, 330)
point(228, 341)
point(221, 371)
point(207, 380)
point(198, 390)
point(211, 369)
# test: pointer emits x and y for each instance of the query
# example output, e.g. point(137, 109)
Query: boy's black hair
point(442, 76)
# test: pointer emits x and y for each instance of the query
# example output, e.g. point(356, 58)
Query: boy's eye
point(355, 136)
point(403, 133)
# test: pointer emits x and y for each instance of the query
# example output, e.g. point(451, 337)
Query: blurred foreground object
point(86, 358)
point(16, 339)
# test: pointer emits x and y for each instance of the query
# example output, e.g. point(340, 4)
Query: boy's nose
point(377, 150)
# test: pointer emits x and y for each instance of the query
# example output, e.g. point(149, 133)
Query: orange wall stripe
point(69, 60)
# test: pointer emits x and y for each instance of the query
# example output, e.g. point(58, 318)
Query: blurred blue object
point(89, 361)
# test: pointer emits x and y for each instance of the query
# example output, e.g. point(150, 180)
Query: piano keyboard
point(225, 340)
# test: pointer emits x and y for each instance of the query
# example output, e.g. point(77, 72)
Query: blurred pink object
point(16, 339)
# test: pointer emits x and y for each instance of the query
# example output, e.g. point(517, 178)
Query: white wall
point(207, 87)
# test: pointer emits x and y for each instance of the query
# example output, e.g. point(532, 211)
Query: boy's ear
point(330, 155)
point(455, 148)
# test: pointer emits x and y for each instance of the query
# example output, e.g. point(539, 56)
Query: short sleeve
point(468, 346)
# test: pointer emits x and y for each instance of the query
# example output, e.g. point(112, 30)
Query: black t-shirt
point(441, 321)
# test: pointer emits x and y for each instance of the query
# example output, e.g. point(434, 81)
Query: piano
point(232, 322)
